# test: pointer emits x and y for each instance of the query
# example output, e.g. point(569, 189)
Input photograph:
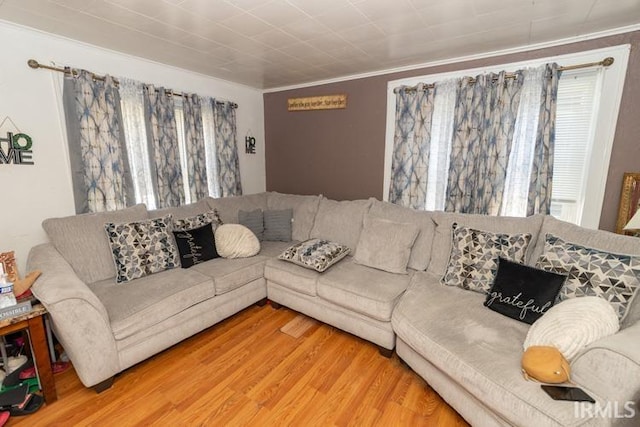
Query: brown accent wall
point(340, 153)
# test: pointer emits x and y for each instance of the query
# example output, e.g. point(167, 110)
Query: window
point(587, 108)
point(575, 120)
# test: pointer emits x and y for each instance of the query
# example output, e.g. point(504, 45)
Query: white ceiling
point(273, 43)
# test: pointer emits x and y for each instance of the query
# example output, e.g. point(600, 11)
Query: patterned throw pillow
point(614, 277)
point(142, 248)
point(198, 221)
point(473, 262)
point(315, 254)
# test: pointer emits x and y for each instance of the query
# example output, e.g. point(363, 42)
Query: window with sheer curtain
point(133, 115)
point(588, 100)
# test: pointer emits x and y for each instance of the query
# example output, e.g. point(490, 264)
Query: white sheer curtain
point(514, 201)
point(182, 148)
point(208, 126)
point(440, 149)
point(132, 104)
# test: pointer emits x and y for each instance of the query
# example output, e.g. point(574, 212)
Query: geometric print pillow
point(593, 272)
point(473, 262)
point(143, 247)
point(198, 221)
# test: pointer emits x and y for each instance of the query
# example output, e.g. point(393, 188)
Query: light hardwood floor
point(244, 371)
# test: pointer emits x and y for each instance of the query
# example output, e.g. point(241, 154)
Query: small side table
point(33, 321)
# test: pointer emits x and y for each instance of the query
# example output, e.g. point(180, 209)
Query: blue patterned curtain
point(164, 155)
point(483, 128)
point(409, 164)
point(99, 164)
point(195, 151)
point(539, 200)
point(227, 149)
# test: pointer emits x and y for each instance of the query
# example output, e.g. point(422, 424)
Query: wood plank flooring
point(244, 371)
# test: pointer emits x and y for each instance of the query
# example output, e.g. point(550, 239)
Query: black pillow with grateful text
point(196, 245)
point(523, 293)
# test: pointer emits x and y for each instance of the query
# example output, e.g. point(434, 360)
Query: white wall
point(31, 98)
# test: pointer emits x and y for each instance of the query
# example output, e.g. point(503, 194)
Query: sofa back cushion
point(497, 224)
point(386, 245)
point(604, 241)
point(421, 252)
point(304, 211)
point(182, 212)
point(82, 240)
point(228, 207)
point(340, 222)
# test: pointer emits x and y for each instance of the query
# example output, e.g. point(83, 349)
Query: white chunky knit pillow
point(236, 241)
point(573, 324)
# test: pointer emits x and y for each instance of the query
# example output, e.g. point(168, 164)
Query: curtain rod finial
point(607, 61)
point(33, 63)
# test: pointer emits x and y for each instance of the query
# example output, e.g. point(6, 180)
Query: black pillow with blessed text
point(196, 245)
point(523, 293)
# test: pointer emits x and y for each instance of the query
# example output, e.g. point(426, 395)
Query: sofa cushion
point(144, 302)
point(274, 248)
point(277, 225)
point(181, 212)
point(304, 211)
point(253, 220)
point(196, 246)
point(83, 243)
point(292, 276)
point(230, 274)
point(480, 350)
point(228, 207)
point(340, 221)
point(508, 225)
point(365, 290)
point(141, 248)
point(236, 241)
point(421, 251)
point(523, 293)
point(315, 254)
point(474, 256)
point(611, 276)
point(385, 245)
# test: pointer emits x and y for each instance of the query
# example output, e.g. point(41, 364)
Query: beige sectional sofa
point(469, 354)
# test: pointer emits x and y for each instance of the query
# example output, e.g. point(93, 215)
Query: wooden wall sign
point(325, 102)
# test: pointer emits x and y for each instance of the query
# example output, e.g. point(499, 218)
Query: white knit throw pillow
point(236, 241)
point(573, 324)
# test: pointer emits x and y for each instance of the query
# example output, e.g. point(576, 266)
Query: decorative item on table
point(7, 299)
point(21, 287)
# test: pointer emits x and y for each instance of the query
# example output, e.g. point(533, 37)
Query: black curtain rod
point(35, 65)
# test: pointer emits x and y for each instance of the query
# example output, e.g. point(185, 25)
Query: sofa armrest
point(80, 320)
point(610, 367)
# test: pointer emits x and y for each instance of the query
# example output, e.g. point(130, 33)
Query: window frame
point(609, 105)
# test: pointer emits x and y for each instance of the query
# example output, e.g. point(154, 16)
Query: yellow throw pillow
point(545, 364)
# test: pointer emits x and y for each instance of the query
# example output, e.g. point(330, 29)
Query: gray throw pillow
point(277, 225)
point(386, 245)
point(142, 248)
point(253, 220)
